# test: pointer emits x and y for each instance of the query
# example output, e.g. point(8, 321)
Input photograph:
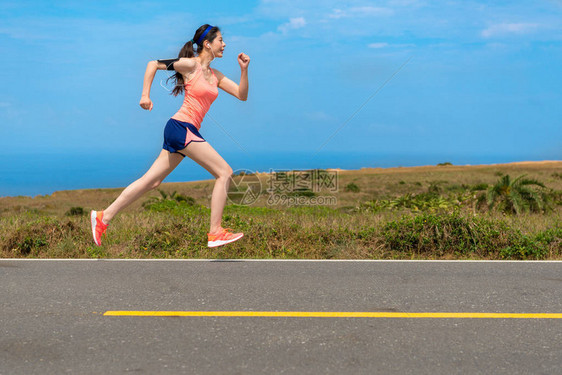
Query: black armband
point(169, 63)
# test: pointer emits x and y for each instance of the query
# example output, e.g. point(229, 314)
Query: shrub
point(301, 193)
point(552, 239)
point(185, 199)
point(38, 235)
point(351, 187)
point(159, 241)
point(436, 235)
point(172, 197)
point(434, 188)
point(457, 188)
point(75, 211)
point(556, 197)
point(415, 202)
point(479, 187)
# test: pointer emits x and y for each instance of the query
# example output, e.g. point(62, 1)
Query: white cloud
point(335, 21)
point(509, 28)
point(377, 45)
point(294, 23)
point(365, 11)
point(407, 3)
point(385, 45)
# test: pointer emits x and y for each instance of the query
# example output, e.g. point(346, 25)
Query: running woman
point(181, 134)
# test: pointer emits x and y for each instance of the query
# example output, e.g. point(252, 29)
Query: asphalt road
point(52, 322)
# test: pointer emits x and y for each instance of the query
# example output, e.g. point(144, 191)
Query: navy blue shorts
point(178, 134)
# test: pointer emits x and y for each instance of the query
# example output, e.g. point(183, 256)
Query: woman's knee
point(150, 183)
point(225, 172)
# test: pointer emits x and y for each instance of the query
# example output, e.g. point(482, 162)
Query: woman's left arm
point(243, 87)
point(239, 91)
point(243, 60)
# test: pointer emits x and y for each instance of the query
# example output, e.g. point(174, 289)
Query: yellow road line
point(326, 314)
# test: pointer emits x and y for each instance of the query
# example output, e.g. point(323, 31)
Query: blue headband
point(203, 35)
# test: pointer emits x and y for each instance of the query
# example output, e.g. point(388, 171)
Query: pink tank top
point(199, 95)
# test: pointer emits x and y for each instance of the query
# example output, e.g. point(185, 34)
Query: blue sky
point(482, 78)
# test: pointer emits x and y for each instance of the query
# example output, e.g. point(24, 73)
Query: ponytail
point(187, 51)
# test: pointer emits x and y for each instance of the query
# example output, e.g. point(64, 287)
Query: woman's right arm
point(151, 69)
point(182, 65)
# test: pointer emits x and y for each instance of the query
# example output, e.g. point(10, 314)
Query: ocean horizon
point(45, 173)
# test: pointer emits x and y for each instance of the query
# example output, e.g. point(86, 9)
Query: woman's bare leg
point(162, 166)
point(207, 157)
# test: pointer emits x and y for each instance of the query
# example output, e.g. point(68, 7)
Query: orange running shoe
point(223, 237)
point(98, 227)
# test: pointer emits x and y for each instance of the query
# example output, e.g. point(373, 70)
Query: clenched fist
point(243, 60)
point(146, 103)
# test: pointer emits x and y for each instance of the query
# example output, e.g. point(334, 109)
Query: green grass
point(467, 236)
point(294, 233)
point(431, 214)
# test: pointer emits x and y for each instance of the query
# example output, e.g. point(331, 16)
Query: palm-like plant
point(516, 196)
